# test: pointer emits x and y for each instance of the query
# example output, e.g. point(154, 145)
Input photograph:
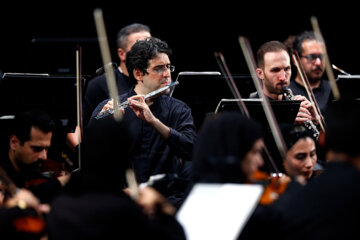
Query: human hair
point(342, 126)
point(292, 133)
point(107, 148)
point(271, 46)
point(24, 121)
point(122, 36)
point(142, 52)
point(304, 36)
point(223, 142)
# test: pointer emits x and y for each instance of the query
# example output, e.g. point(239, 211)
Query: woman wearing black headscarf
point(301, 156)
point(228, 149)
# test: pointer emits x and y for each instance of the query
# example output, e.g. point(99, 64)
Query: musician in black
point(327, 207)
point(94, 204)
point(97, 89)
point(29, 141)
point(274, 70)
point(162, 126)
point(311, 54)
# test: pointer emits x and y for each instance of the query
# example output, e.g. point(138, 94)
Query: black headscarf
point(342, 120)
point(105, 155)
point(293, 133)
point(222, 144)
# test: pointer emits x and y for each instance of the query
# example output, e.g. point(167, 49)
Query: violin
point(31, 223)
point(50, 169)
point(275, 185)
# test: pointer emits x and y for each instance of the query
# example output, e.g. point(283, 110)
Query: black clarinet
point(288, 94)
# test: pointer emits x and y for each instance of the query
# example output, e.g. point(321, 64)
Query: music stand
point(53, 94)
point(202, 93)
point(58, 56)
point(349, 86)
point(284, 111)
point(218, 211)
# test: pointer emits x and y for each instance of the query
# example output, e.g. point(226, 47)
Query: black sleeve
point(183, 136)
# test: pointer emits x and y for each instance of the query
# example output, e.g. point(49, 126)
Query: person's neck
point(123, 69)
point(273, 96)
point(139, 90)
point(313, 83)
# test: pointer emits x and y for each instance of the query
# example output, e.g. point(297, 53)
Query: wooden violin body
point(50, 169)
point(275, 185)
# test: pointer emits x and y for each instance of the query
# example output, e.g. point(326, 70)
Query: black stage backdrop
point(193, 31)
point(42, 38)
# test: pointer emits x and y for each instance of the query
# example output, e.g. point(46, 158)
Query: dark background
point(193, 30)
point(42, 37)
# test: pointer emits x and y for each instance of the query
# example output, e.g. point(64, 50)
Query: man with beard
point(312, 59)
point(97, 90)
point(274, 70)
point(163, 127)
point(29, 141)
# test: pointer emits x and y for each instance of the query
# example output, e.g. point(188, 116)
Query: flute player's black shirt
point(154, 154)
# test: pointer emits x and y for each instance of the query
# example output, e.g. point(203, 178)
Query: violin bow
point(274, 127)
point(79, 101)
point(132, 184)
point(329, 72)
point(105, 53)
point(231, 83)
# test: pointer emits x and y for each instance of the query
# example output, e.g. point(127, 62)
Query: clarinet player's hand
point(306, 110)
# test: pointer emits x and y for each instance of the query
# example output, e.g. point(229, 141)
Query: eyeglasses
point(160, 69)
point(313, 57)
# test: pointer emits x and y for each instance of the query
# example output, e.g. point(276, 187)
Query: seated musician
point(95, 205)
point(327, 207)
point(228, 150)
point(29, 141)
point(274, 70)
point(162, 126)
point(15, 208)
point(301, 157)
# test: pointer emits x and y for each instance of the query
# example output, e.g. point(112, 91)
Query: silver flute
point(288, 94)
point(125, 104)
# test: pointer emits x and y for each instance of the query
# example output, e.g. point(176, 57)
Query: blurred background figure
point(95, 205)
point(228, 149)
point(97, 89)
point(327, 207)
point(311, 54)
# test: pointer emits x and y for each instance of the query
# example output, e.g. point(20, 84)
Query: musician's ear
point(138, 74)
point(14, 142)
point(121, 54)
point(260, 73)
